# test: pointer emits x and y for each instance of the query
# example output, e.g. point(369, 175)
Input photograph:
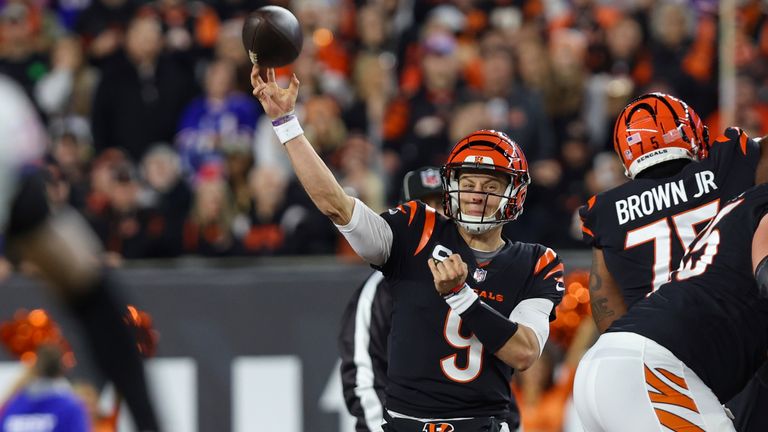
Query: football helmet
point(495, 152)
point(657, 127)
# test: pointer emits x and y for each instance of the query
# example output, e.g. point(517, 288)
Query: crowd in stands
point(157, 141)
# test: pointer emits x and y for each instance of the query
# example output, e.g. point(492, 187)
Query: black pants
point(477, 424)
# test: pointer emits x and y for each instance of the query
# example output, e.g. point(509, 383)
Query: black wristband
point(488, 325)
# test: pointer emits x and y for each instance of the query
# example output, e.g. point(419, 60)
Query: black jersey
point(644, 225)
point(710, 315)
point(436, 368)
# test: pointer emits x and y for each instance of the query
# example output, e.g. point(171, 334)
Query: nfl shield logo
point(628, 154)
point(430, 178)
point(479, 275)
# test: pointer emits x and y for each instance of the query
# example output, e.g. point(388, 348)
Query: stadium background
point(155, 139)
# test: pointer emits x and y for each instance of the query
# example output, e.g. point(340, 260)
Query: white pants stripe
point(629, 383)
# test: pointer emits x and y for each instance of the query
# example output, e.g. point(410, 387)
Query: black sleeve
point(736, 151)
point(362, 341)
point(548, 280)
point(412, 224)
point(588, 215)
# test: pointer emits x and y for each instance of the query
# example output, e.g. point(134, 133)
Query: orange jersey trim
point(429, 227)
point(412, 206)
point(743, 142)
point(558, 268)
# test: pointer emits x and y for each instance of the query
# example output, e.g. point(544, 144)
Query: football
point(272, 36)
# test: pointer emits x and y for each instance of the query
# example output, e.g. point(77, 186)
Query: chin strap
point(477, 227)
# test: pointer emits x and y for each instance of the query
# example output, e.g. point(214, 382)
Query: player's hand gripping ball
point(272, 36)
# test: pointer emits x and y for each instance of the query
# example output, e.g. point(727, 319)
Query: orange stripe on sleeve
point(558, 268)
point(586, 230)
point(675, 422)
point(743, 142)
point(429, 226)
point(591, 202)
point(412, 206)
point(544, 261)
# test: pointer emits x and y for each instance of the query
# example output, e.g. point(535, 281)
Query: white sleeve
point(369, 234)
point(534, 314)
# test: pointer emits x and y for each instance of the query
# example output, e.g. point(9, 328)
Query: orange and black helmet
point(657, 127)
point(496, 152)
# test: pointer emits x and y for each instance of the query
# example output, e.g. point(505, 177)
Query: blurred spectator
point(121, 223)
point(45, 398)
point(208, 229)
point(189, 26)
point(101, 178)
point(268, 215)
point(606, 173)
point(374, 86)
point(374, 30)
point(356, 172)
point(103, 24)
point(536, 72)
point(323, 125)
point(142, 87)
point(69, 86)
point(626, 52)
point(683, 53)
point(19, 55)
point(416, 126)
point(229, 47)
point(751, 113)
point(514, 109)
point(166, 199)
point(320, 21)
point(605, 96)
point(71, 151)
point(57, 188)
point(237, 166)
point(467, 118)
point(567, 52)
point(222, 120)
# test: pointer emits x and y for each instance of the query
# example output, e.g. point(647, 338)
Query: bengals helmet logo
point(438, 427)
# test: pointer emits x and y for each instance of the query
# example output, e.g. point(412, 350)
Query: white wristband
point(462, 300)
point(287, 127)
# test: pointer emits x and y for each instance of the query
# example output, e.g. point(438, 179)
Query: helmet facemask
point(510, 200)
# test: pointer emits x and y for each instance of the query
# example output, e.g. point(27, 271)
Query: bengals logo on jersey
point(438, 427)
